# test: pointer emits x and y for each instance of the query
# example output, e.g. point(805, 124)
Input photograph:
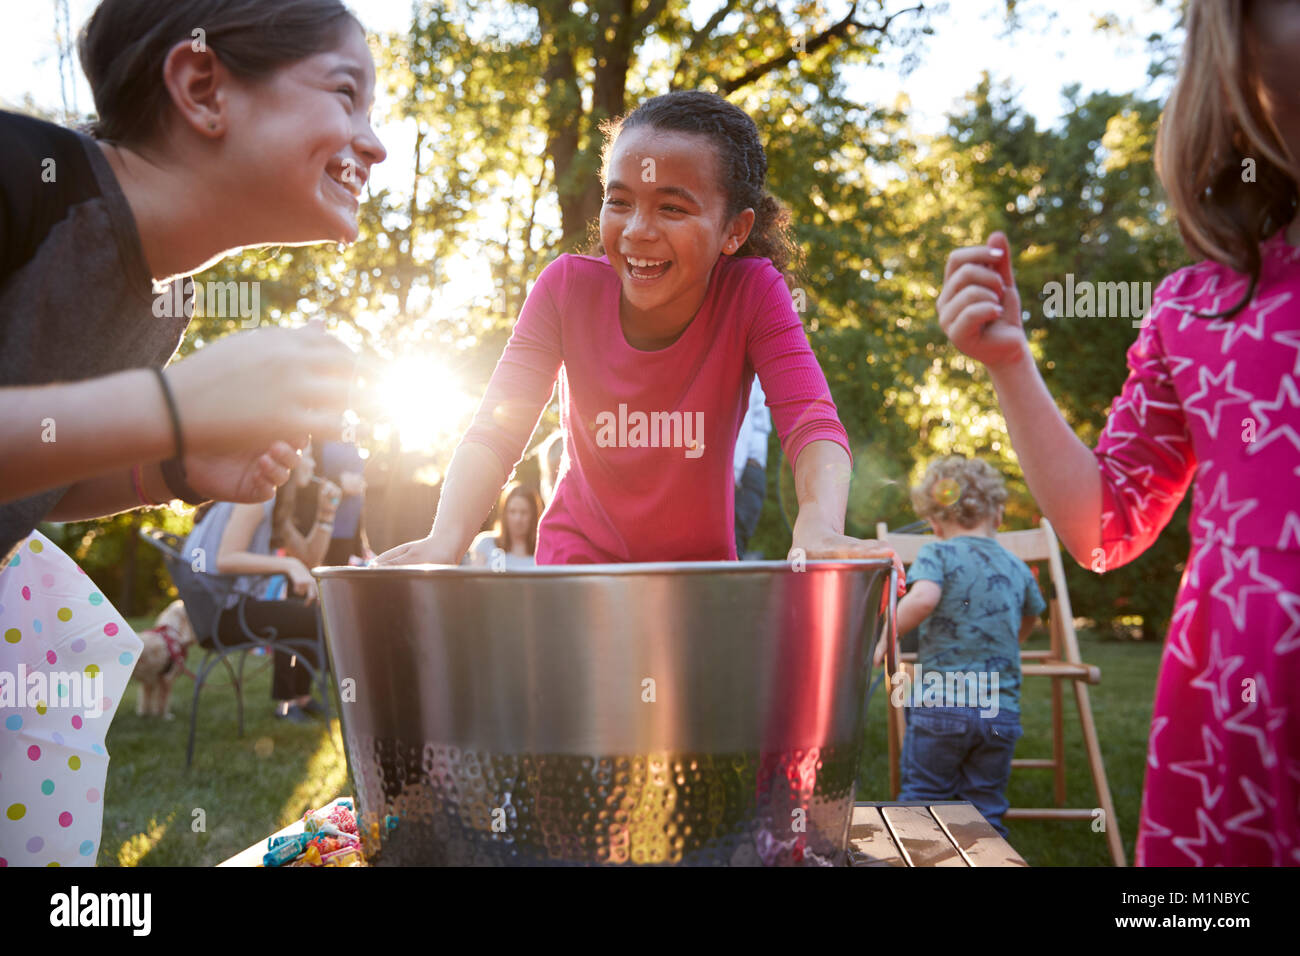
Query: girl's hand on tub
point(428, 550)
point(979, 307)
point(811, 540)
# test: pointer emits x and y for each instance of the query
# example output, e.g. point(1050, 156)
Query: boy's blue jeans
point(952, 753)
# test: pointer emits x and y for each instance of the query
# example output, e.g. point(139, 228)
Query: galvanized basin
point(682, 713)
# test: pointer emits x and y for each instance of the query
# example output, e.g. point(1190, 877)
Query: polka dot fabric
point(53, 763)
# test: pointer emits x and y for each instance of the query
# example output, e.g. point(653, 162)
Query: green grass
point(248, 788)
point(1121, 708)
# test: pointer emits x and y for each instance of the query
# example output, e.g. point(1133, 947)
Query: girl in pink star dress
point(1212, 401)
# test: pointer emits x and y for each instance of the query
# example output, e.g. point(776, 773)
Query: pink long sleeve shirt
point(649, 435)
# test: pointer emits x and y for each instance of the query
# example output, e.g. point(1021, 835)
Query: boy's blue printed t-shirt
point(976, 625)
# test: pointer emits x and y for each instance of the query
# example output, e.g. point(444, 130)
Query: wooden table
point(919, 834)
point(881, 834)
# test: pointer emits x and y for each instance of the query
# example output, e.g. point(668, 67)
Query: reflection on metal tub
point(689, 713)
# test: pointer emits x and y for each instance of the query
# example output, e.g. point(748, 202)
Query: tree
point(504, 100)
point(1079, 199)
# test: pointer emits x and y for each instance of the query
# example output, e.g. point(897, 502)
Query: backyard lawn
point(158, 814)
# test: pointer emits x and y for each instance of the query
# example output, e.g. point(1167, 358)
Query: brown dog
point(162, 660)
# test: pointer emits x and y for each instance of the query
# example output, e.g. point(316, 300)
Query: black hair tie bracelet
point(173, 469)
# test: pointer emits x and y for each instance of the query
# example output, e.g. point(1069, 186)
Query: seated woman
point(341, 463)
point(515, 533)
point(244, 538)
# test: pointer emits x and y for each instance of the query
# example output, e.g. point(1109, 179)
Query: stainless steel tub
point(689, 713)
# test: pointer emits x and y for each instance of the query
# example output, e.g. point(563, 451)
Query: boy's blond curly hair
point(958, 489)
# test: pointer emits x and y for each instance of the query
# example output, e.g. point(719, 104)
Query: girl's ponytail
point(772, 237)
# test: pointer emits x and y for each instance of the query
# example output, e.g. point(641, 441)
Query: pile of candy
point(329, 838)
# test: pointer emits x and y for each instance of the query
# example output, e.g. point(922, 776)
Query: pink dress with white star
point(1216, 404)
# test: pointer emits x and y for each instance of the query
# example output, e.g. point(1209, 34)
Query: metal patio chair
point(204, 594)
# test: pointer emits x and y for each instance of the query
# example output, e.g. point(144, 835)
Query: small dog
point(162, 660)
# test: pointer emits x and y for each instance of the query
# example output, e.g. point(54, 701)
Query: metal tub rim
point(587, 570)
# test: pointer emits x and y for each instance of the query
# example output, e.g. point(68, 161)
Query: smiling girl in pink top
point(655, 344)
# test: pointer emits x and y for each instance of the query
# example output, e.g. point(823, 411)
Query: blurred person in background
point(245, 539)
point(750, 466)
point(515, 534)
point(550, 453)
point(340, 463)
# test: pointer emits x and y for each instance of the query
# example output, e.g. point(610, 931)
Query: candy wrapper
point(329, 838)
point(338, 815)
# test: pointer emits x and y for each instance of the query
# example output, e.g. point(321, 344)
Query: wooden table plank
point(919, 836)
point(869, 841)
point(975, 836)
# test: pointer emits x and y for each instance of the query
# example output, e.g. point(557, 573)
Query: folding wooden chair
point(1060, 663)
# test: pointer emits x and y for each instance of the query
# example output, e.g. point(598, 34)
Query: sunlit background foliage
point(503, 100)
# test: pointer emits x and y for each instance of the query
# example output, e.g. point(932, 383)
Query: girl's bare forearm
point(246, 562)
point(474, 480)
point(821, 480)
point(55, 435)
point(1060, 469)
point(109, 495)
